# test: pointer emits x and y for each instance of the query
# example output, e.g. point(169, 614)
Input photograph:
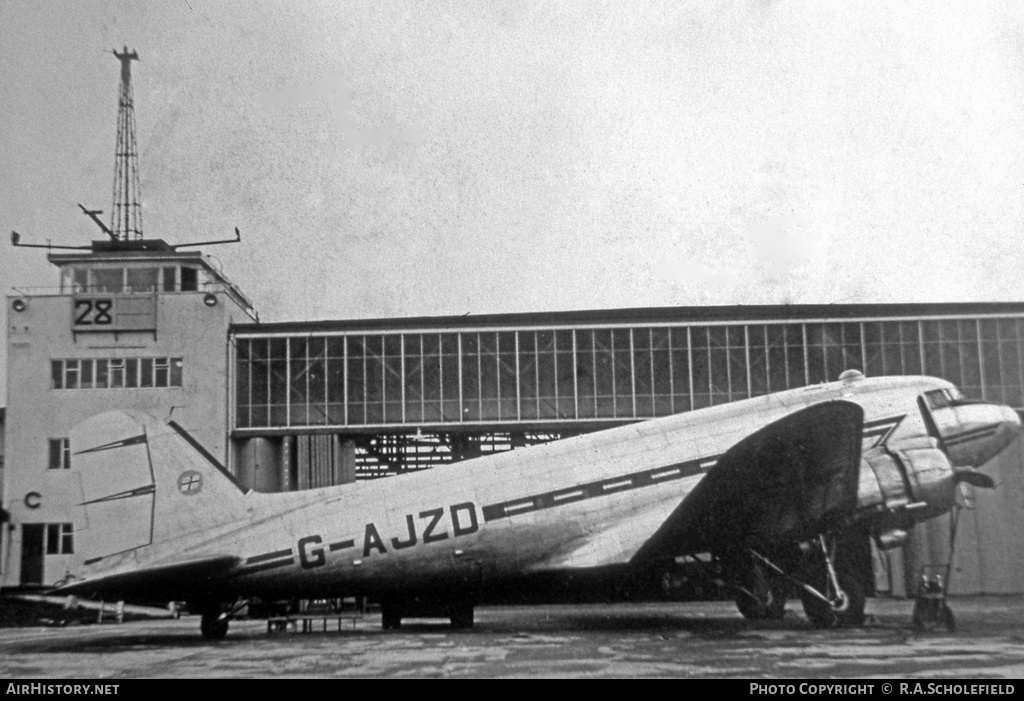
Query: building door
point(32, 553)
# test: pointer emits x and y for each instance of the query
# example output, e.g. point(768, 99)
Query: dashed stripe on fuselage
point(599, 488)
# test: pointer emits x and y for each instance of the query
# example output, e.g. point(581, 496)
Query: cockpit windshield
point(942, 398)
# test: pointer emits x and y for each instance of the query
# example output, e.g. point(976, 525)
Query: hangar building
point(297, 405)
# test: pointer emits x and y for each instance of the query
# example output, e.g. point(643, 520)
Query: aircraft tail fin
point(144, 482)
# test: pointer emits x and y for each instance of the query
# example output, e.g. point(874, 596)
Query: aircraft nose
point(1012, 419)
point(982, 431)
point(1012, 426)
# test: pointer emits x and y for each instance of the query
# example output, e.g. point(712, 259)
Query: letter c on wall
point(33, 500)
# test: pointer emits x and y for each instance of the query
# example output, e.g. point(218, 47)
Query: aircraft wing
point(613, 545)
point(786, 482)
point(162, 582)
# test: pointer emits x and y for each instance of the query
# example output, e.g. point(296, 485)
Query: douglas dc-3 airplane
point(770, 488)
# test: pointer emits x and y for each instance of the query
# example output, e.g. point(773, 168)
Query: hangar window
point(60, 454)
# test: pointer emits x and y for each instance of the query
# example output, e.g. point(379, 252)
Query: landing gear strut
point(834, 594)
point(762, 586)
point(214, 625)
point(831, 588)
point(214, 622)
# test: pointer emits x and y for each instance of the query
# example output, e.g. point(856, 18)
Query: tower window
point(60, 454)
point(189, 280)
point(116, 373)
point(60, 539)
point(142, 279)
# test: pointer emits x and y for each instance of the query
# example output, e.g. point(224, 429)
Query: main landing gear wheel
point(843, 589)
point(773, 609)
point(761, 581)
point(390, 617)
point(846, 608)
point(462, 617)
point(214, 625)
point(764, 596)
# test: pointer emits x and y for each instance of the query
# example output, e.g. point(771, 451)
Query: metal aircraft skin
point(768, 486)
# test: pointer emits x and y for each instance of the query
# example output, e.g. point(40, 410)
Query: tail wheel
point(214, 625)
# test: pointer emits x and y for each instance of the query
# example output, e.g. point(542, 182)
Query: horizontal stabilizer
point(172, 581)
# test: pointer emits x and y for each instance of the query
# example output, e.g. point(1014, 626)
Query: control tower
point(132, 323)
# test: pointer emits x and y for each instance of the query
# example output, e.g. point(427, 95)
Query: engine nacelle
point(901, 485)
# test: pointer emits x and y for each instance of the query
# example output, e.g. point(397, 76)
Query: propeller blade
point(973, 477)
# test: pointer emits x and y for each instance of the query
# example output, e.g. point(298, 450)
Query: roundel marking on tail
point(190, 482)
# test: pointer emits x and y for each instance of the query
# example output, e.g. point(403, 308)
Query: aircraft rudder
point(194, 490)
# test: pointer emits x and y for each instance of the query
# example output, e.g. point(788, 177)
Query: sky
point(432, 158)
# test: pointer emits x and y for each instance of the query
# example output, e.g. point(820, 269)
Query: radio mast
point(126, 216)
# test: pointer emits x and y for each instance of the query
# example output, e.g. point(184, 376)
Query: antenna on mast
point(125, 230)
point(126, 217)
